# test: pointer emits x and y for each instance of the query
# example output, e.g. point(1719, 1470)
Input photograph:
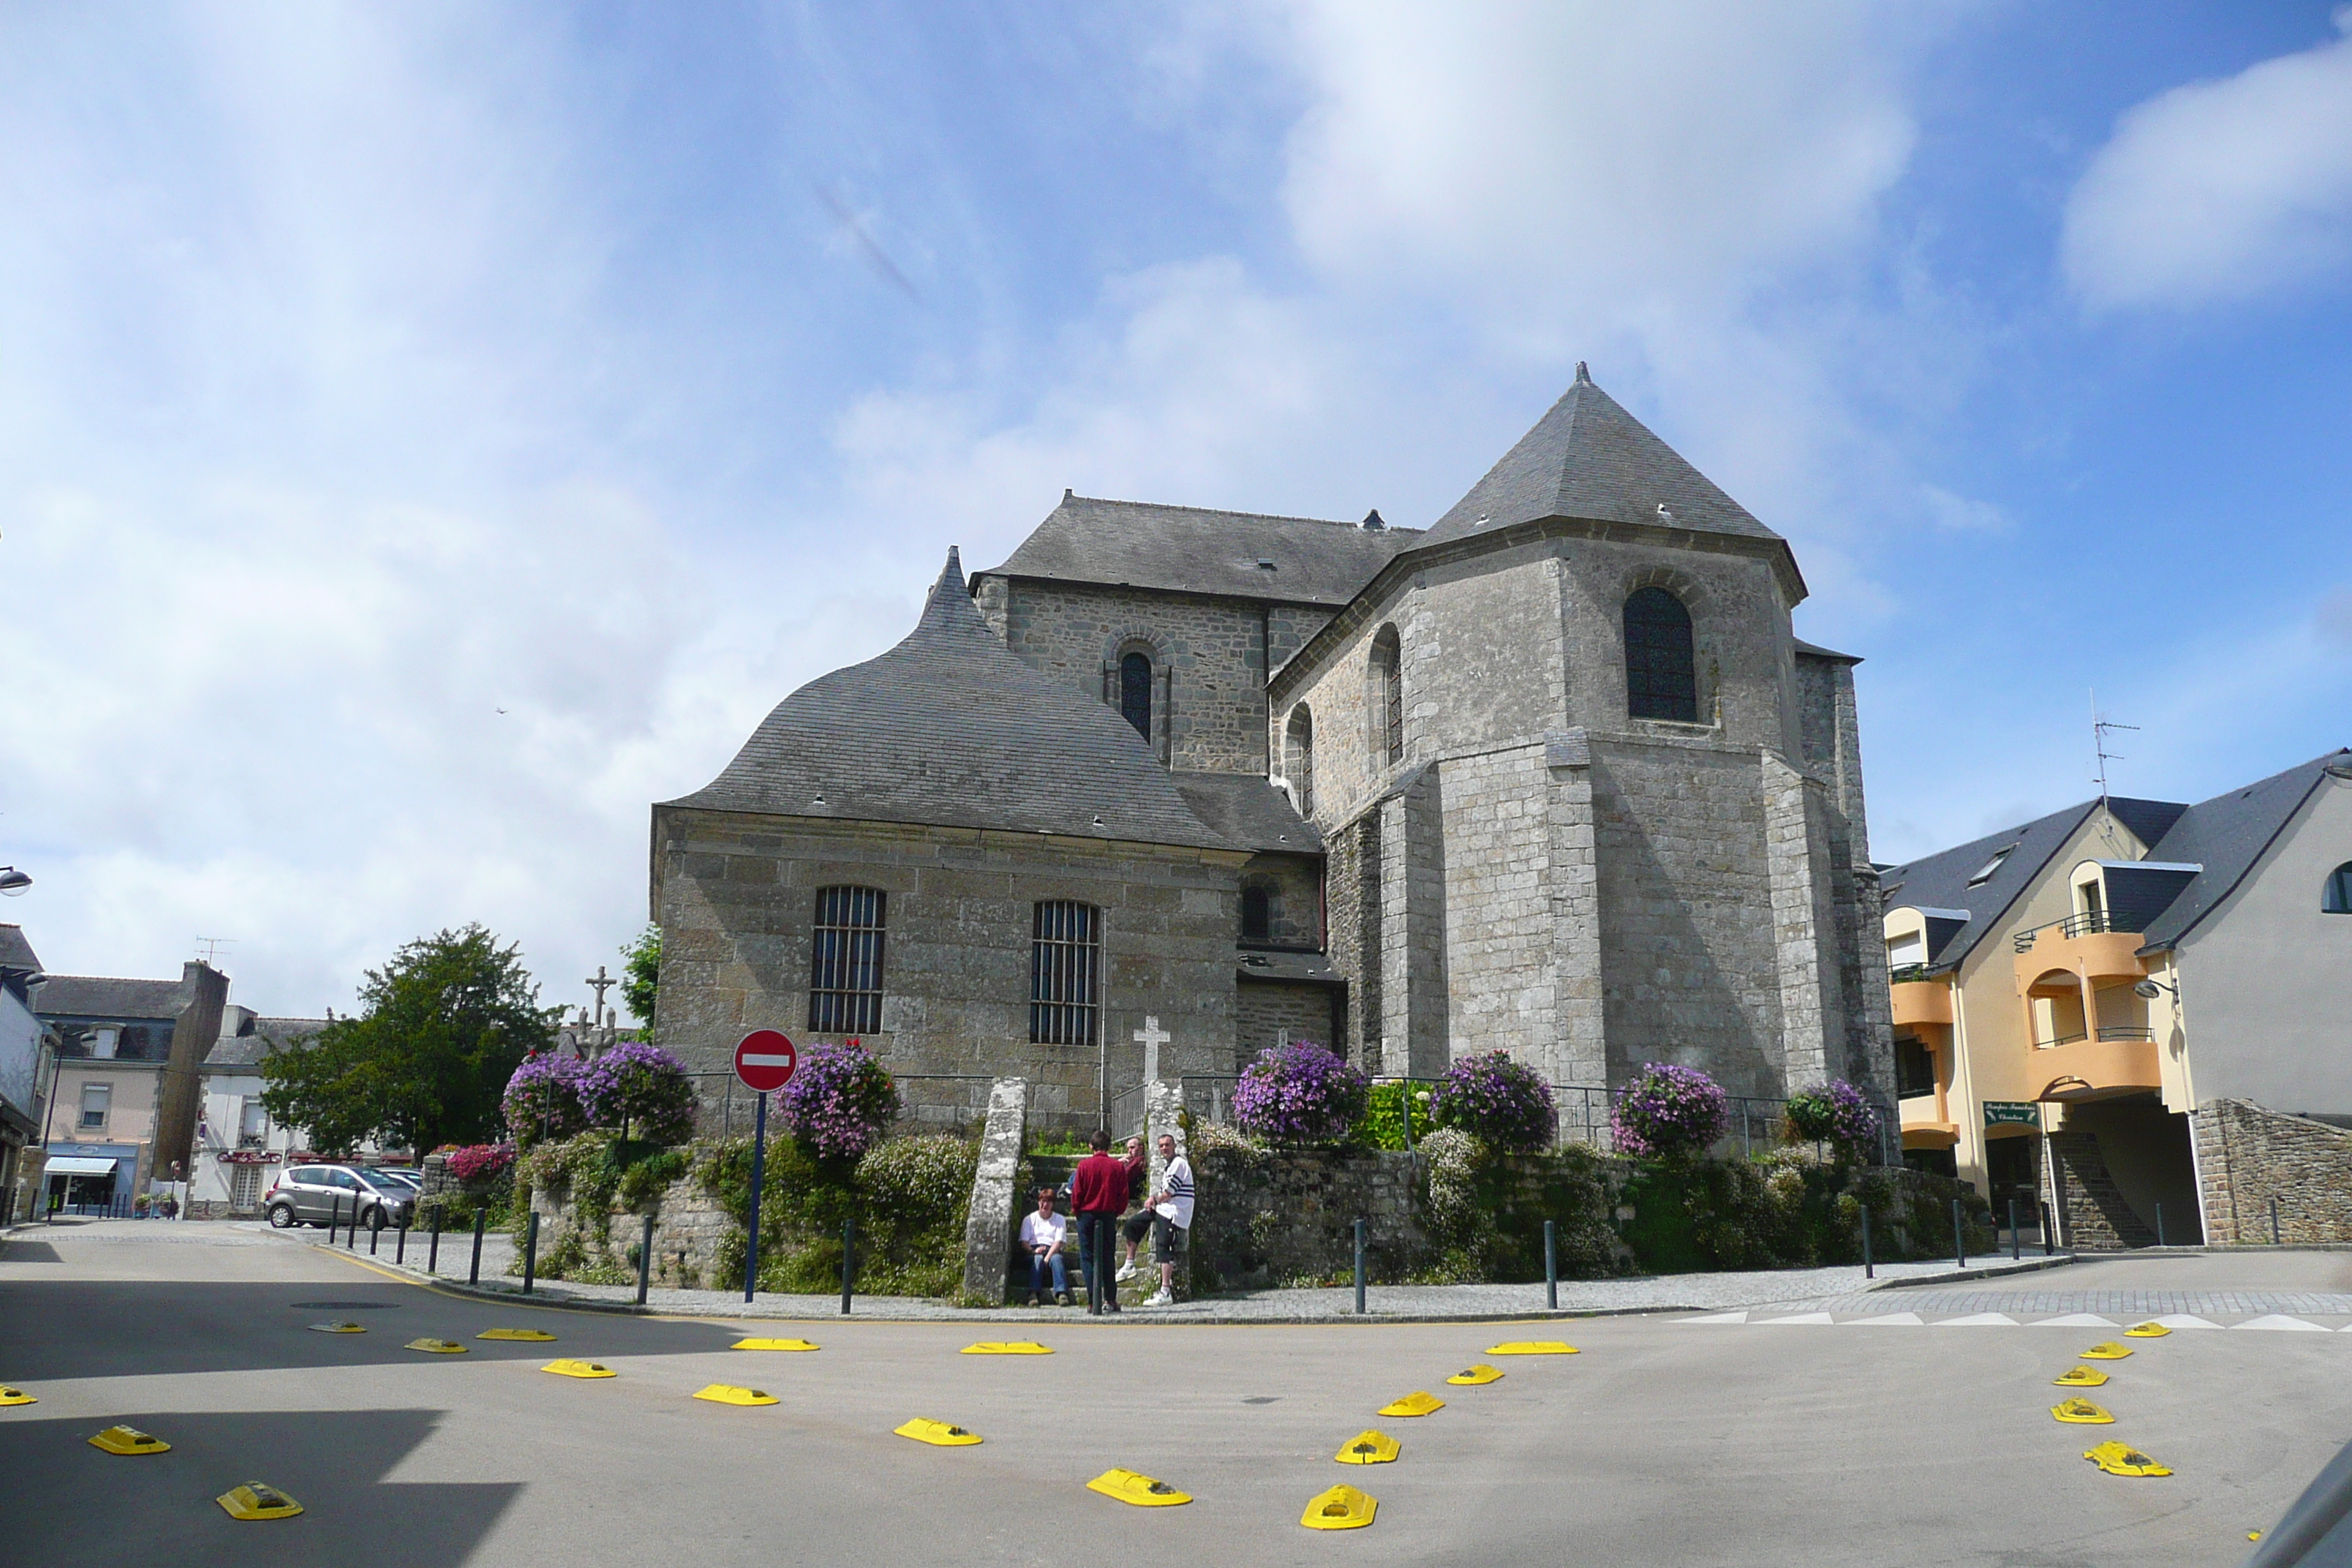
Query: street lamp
point(14, 882)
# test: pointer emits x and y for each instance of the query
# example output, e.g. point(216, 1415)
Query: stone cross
point(601, 983)
point(1152, 1037)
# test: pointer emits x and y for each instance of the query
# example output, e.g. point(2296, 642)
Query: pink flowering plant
point(1499, 1099)
point(478, 1163)
point(839, 1102)
point(543, 1100)
point(1669, 1112)
point(1836, 1113)
point(639, 1089)
point(1300, 1093)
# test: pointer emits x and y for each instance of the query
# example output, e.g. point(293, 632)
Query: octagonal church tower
point(1583, 793)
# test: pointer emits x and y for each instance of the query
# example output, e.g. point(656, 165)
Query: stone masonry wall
point(1262, 1219)
point(2094, 1216)
point(688, 1227)
point(1272, 1011)
point(2248, 1155)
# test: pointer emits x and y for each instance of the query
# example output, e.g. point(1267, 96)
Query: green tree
point(641, 974)
point(441, 1028)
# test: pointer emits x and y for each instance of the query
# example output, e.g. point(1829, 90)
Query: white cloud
point(2220, 190)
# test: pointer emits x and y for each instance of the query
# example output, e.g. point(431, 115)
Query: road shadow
point(15, 1251)
point(66, 1501)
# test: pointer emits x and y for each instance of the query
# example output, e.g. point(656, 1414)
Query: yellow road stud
point(258, 1500)
point(528, 1336)
point(1133, 1486)
point(2107, 1351)
point(569, 1367)
point(1471, 1376)
point(1414, 1403)
point(1369, 1448)
point(128, 1440)
point(2080, 1377)
point(1533, 1347)
point(939, 1434)
point(2123, 1459)
point(2082, 1412)
point(16, 1396)
point(1007, 1347)
point(730, 1394)
point(436, 1347)
point(1341, 1507)
point(344, 1328)
point(2146, 1332)
point(771, 1345)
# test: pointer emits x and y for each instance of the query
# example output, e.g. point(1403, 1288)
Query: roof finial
point(1374, 520)
point(1583, 376)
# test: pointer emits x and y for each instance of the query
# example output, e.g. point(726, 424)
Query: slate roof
point(1249, 810)
point(2226, 835)
point(951, 729)
point(15, 952)
point(1815, 650)
point(264, 1035)
point(104, 996)
point(1941, 881)
point(1589, 458)
point(1310, 968)
point(1194, 550)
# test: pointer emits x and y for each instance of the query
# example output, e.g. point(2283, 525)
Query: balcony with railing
point(2092, 945)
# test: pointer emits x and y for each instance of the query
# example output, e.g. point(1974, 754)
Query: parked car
point(322, 1194)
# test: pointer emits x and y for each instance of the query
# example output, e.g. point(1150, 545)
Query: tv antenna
point(209, 948)
point(2100, 728)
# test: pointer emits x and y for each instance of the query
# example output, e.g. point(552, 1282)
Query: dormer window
point(1984, 873)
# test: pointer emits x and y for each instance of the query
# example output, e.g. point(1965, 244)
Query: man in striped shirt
point(1172, 1217)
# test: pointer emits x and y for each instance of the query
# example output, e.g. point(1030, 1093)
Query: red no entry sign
point(765, 1060)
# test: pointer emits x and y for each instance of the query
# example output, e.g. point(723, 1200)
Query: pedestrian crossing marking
point(1801, 1317)
point(2184, 1320)
point(2280, 1320)
point(1979, 1320)
point(1718, 1317)
point(1887, 1320)
point(2076, 1320)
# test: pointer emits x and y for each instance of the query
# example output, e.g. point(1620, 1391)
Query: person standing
point(1134, 1227)
point(1098, 1192)
point(1172, 1217)
point(1041, 1234)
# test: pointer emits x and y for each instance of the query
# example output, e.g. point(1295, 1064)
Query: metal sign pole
point(759, 1174)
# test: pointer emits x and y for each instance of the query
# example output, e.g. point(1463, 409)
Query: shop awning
point(78, 1165)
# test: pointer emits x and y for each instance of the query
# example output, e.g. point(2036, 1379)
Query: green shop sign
point(2012, 1114)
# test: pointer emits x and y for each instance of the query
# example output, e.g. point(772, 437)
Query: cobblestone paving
point(2129, 1304)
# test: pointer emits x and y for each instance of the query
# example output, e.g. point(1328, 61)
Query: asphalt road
point(1664, 1442)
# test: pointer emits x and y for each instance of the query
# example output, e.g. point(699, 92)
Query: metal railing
point(927, 1102)
point(2090, 922)
point(2126, 1032)
point(2075, 1039)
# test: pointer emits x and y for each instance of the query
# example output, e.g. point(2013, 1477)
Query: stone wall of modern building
point(2249, 1157)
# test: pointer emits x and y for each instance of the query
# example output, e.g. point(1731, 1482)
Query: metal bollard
point(849, 1262)
point(530, 1251)
point(375, 1234)
point(433, 1256)
point(2276, 1238)
point(352, 1232)
point(474, 1274)
point(2048, 1218)
point(2015, 1244)
point(2159, 1225)
point(1959, 1237)
point(1360, 1268)
point(1552, 1267)
point(1869, 1270)
point(645, 1262)
point(399, 1246)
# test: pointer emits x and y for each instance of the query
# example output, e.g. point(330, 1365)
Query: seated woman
point(1042, 1235)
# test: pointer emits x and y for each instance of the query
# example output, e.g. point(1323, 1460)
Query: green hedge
point(909, 1197)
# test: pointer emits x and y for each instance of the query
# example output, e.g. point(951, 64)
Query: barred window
point(1065, 974)
point(845, 968)
point(1661, 667)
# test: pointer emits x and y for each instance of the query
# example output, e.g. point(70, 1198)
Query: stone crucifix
point(601, 983)
point(1152, 1037)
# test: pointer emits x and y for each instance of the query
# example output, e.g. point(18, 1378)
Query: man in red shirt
point(1098, 1194)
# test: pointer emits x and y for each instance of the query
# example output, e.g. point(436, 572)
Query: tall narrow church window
point(1257, 915)
point(1298, 758)
point(2337, 899)
point(1387, 699)
point(1135, 692)
point(1661, 669)
point(1065, 974)
point(845, 967)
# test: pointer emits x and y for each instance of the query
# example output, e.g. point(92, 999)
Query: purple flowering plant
point(481, 1162)
point(1300, 1093)
point(1836, 1113)
point(839, 1102)
point(1499, 1099)
point(1669, 1111)
point(543, 1100)
point(639, 1089)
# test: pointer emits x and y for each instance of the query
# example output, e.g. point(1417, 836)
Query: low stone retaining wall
point(2249, 1156)
point(689, 1226)
point(1267, 1219)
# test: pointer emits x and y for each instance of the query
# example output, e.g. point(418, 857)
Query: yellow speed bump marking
point(16, 1396)
point(732, 1393)
point(258, 1500)
point(343, 1328)
point(771, 1345)
point(528, 1336)
point(1007, 1347)
point(939, 1434)
point(1533, 1347)
point(2107, 1351)
point(1369, 1448)
point(2080, 1377)
point(1414, 1404)
point(1133, 1486)
point(436, 1347)
point(1341, 1507)
point(2146, 1332)
point(2123, 1459)
point(1470, 1377)
point(2082, 1412)
point(568, 1367)
point(128, 1440)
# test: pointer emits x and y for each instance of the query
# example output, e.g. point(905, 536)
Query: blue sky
point(430, 433)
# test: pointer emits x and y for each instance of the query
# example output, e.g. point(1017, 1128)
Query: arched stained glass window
point(1135, 692)
point(1257, 914)
point(1661, 669)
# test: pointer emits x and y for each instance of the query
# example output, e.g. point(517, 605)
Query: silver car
point(323, 1194)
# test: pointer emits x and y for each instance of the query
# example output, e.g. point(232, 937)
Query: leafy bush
point(1502, 1100)
point(909, 1197)
point(543, 1100)
point(648, 1178)
point(1669, 1112)
point(1384, 1114)
point(480, 1162)
point(1299, 1093)
point(1836, 1113)
point(639, 1089)
point(839, 1102)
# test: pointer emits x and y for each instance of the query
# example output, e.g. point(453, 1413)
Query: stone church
point(1552, 774)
